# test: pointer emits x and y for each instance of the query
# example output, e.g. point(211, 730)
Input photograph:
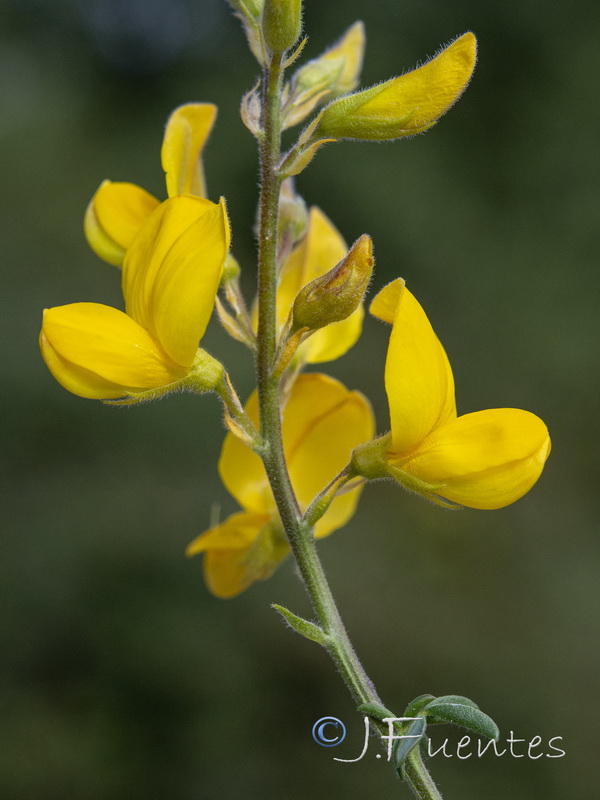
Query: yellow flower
point(485, 460)
point(170, 279)
point(322, 423)
point(406, 105)
point(320, 250)
point(118, 210)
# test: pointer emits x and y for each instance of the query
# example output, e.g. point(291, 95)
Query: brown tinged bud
point(281, 23)
point(337, 294)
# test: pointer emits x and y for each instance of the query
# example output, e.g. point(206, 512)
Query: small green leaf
point(376, 711)
point(455, 698)
point(464, 715)
point(420, 702)
point(403, 747)
point(302, 626)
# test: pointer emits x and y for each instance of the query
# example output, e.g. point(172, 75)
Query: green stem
point(419, 779)
point(224, 389)
point(299, 531)
point(300, 535)
point(324, 499)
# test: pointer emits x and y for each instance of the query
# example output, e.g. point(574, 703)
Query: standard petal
point(322, 423)
point(172, 271)
point(187, 282)
point(333, 341)
point(418, 376)
point(187, 130)
point(485, 460)
point(115, 214)
point(338, 514)
point(242, 471)
point(385, 303)
point(237, 532)
point(243, 549)
point(99, 352)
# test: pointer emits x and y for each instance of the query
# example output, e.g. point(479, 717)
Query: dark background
point(121, 677)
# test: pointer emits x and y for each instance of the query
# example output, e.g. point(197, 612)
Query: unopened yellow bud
point(406, 105)
point(337, 294)
point(282, 22)
point(339, 67)
point(334, 72)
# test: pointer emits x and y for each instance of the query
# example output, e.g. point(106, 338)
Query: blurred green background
point(121, 677)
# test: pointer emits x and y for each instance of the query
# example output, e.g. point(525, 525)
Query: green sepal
point(468, 716)
point(403, 747)
point(376, 711)
point(420, 702)
point(302, 626)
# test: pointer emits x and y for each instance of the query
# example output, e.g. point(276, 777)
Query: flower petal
point(113, 217)
point(172, 270)
point(339, 513)
point(243, 549)
point(322, 423)
point(242, 471)
point(486, 460)
point(385, 303)
point(237, 532)
point(334, 340)
point(187, 130)
point(418, 376)
point(98, 352)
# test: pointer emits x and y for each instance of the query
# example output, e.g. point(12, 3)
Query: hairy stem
point(300, 535)
point(419, 779)
point(298, 530)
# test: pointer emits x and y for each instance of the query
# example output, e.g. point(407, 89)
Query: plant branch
point(299, 531)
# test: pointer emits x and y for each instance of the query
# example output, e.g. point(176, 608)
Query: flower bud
point(281, 23)
point(406, 105)
point(337, 294)
point(334, 72)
